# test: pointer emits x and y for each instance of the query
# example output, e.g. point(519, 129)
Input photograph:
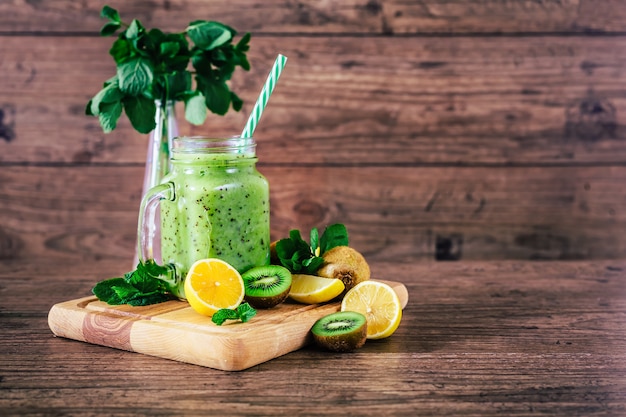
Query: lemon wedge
point(311, 289)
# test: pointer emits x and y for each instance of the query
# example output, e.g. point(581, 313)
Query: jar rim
point(207, 144)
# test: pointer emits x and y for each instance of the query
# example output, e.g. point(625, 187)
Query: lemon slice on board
point(212, 284)
point(379, 303)
point(311, 289)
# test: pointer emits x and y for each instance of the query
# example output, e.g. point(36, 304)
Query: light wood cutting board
point(172, 330)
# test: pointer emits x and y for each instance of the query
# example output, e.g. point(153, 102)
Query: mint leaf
point(311, 265)
point(152, 269)
point(169, 49)
point(175, 86)
point(109, 114)
point(334, 235)
point(135, 29)
point(300, 257)
point(110, 13)
point(116, 291)
point(216, 94)
point(180, 60)
point(240, 52)
point(120, 50)
point(244, 43)
point(109, 94)
point(236, 101)
point(145, 283)
point(315, 240)
point(148, 284)
point(135, 76)
point(195, 109)
point(105, 292)
point(294, 253)
point(154, 38)
point(133, 295)
point(209, 35)
point(140, 111)
point(224, 314)
point(296, 237)
point(285, 248)
point(203, 64)
point(126, 291)
point(88, 108)
point(109, 28)
point(244, 313)
point(149, 299)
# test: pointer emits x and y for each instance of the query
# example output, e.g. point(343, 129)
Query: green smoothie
point(220, 210)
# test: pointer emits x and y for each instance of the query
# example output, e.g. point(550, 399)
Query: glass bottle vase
point(158, 163)
point(159, 147)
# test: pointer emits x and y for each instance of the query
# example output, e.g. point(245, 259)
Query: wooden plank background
point(434, 130)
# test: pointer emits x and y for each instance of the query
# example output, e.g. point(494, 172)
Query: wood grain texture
point(310, 16)
point(440, 100)
point(435, 130)
point(477, 339)
point(402, 214)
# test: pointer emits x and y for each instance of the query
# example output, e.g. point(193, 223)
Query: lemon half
point(379, 303)
point(212, 284)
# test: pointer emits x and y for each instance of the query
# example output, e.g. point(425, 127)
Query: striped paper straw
point(264, 97)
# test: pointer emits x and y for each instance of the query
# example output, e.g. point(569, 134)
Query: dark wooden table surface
point(477, 338)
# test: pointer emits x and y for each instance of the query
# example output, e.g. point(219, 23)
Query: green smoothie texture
point(220, 210)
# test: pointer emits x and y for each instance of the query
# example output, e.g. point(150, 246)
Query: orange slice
point(379, 303)
point(212, 284)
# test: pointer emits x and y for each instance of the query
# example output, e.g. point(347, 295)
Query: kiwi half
point(343, 331)
point(266, 286)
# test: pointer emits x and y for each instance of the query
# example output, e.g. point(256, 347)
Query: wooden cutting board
point(172, 330)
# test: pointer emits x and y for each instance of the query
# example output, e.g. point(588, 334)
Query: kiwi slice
point(266, 286)
point(341, 332)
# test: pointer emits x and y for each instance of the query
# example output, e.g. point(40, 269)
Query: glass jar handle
point(146, 230)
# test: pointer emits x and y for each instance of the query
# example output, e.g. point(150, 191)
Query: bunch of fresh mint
point(141, 287)
point(301, 257)
point(153, 65)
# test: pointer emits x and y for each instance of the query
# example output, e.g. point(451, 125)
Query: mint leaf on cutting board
point(140, 287)
point(244, 313)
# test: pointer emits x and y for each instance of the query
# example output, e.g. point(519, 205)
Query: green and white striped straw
point(264, 97)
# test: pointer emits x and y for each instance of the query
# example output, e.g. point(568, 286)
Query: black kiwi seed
point(341, 332)
point(266, 286)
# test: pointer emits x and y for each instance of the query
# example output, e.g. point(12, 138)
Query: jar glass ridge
point(203, 145)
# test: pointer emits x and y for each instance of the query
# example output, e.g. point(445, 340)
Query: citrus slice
point(379, 303)
point(311, 289)
point(212, 284)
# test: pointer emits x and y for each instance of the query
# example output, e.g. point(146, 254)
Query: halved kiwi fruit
point(343, 331)
point(266, 286)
